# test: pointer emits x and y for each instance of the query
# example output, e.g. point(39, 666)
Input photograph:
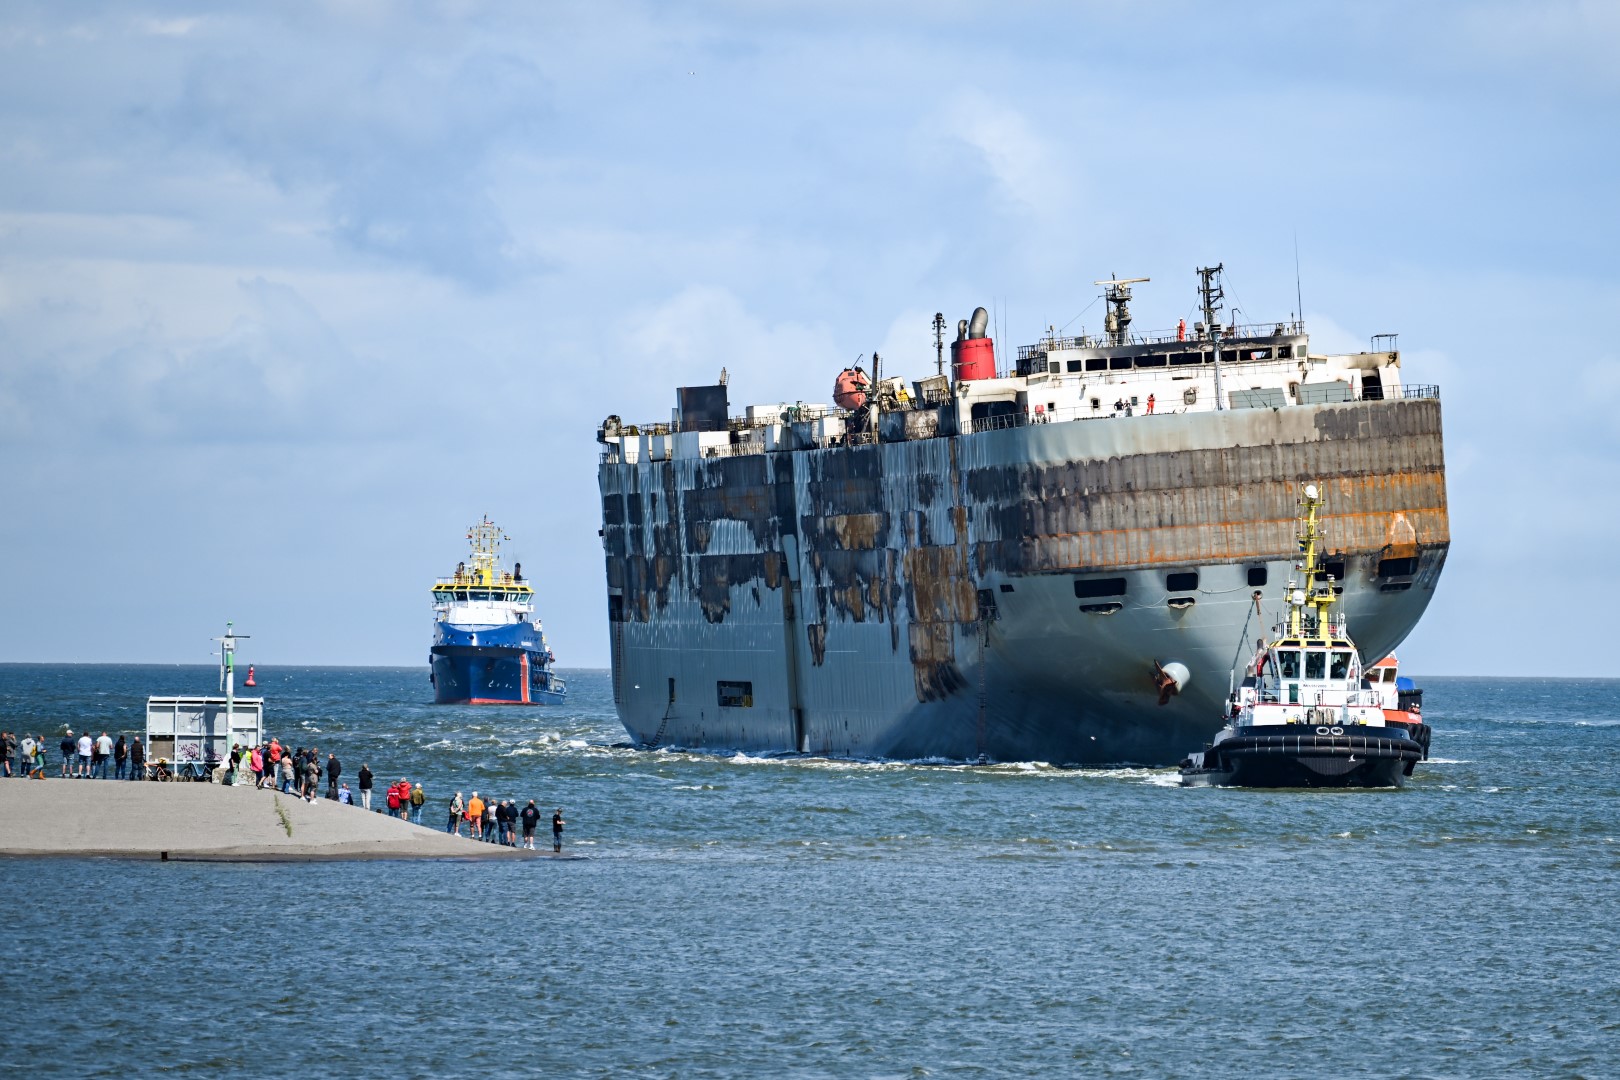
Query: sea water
point(749, 916)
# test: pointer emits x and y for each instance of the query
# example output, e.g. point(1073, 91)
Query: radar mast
point(1118, 295)
point(486, 539)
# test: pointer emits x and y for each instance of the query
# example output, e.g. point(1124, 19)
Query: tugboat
point(488, 645)
point(1306, 715)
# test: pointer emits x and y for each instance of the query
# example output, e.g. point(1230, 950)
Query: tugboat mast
point(1318, 599)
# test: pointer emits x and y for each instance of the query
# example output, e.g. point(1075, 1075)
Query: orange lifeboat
point(849, 390)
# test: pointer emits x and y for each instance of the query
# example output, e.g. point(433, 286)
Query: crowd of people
point(498, 822)
point(84, 757)
point(298, 771)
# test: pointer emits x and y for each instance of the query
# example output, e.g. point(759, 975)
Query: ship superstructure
point(488, 644)
point(1054, 562)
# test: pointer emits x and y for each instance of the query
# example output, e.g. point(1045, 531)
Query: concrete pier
point(194, 821)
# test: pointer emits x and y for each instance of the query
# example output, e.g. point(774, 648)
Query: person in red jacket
point(393, 800)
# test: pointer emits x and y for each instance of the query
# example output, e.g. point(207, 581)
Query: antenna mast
point(1210, 295)
point(1118, 321)
point(1299, 296)
point(939, 342)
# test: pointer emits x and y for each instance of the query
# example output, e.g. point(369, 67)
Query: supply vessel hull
point(1006, 568)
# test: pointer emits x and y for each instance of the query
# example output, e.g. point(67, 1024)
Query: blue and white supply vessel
point(488, 647)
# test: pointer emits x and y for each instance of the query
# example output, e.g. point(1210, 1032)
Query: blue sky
point(290, 295)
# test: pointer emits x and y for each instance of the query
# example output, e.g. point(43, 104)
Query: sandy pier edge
point(198, 822)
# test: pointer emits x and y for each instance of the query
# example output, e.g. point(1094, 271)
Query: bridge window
point(1076, 365)
point(1257, 576)
point(1288, 663)
point(736, 695)
point(1184, 581)
point(1340, 669)
point(1153, 360)
point(1119, 363)
point(1097, 363)
point(1108, 586)
point(1053, 367)
point(1397, 567)
point(1285, 352)
point(1315, 663)
point(1181, 359)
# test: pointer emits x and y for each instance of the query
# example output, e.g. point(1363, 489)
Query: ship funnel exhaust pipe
point(979, 324)
point(973, 354)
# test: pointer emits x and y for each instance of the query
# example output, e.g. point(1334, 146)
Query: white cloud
point(178, 27)
point(689, 337)
point(1328, 338)
point(277, 372)
point(1028, 172)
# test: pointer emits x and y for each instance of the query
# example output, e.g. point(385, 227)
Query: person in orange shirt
point(475, 815)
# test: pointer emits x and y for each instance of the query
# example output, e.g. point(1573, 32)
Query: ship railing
point(736, 449)
point(1239, 332)
point(1173, 403)
point(997, 423)
point(1405, 392)
point(1350, 698)
point(502, 580)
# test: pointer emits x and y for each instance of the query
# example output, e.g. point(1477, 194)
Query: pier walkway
point(208, 822)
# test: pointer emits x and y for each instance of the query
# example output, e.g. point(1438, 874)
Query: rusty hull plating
point(947, 597)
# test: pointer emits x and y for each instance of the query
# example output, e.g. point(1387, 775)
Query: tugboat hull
point(1303, 761)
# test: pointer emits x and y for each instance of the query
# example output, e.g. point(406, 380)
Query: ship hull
point(1303, 761)
point(505, 668)
point(1003, 595)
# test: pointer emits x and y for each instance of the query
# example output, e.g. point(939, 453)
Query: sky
point(292, 294)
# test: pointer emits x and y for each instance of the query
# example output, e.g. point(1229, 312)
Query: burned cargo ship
point(1058, 562)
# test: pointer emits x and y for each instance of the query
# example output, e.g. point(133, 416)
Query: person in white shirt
point(104, 753)
point(86, 747)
